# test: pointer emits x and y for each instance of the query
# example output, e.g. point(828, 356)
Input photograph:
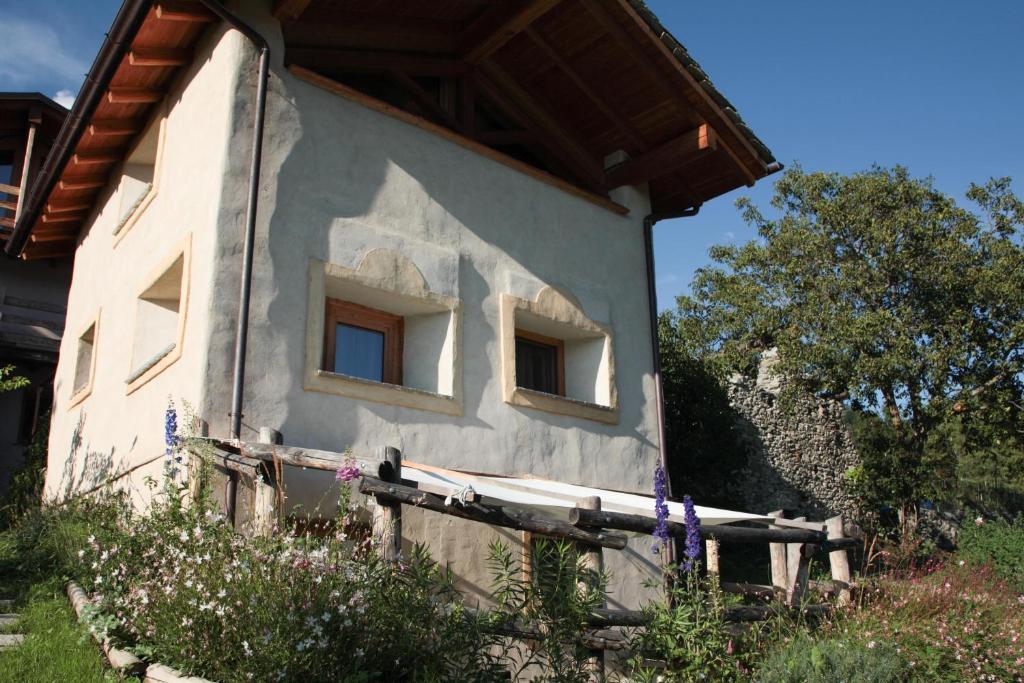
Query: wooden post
point(711, 547)
point(780, 572)
point(35, 117)
point(797, 566)
point(593, 560)
point(269, 435)
point(387, 517)
point(839, 563)
point(264, 515)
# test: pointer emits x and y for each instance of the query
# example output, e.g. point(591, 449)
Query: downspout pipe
point(652, 306)
point(245, 287)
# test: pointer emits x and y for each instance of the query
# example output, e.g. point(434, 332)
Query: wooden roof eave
point(133, 72)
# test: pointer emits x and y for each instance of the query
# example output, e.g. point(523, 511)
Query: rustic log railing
point(792, 543)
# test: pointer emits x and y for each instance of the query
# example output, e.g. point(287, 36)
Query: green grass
point(56, 647)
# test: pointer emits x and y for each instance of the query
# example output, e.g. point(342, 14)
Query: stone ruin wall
point(798, 450)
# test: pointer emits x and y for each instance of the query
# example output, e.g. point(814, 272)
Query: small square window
point(85, 363)
point(363, 342)
point(540, 363)
point(160, 312)
point(139, 176)
point(83, 359)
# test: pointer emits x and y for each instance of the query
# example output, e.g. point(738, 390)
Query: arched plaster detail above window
point(589, 355)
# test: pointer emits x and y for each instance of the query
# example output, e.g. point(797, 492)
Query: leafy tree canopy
point(878, 288)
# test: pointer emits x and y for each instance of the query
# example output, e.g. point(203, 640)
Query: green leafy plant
point(996, 542)
point(687, 634)
point(553, 598)
point(10, 381)
point(807, 660)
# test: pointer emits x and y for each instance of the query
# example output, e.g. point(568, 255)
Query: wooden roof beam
point(183, 10)
point(498, 26)
point(627, 129)
point(63, 248)
point(114, 127)
point(98, 156)
point(424, 99)
point(684, 149)
point(73, 205)
point(369, 31)
point(158, 56)
point(376, 61)
point(81, 183)
point(62, 218)
point(509, 95)
point(671, 90)
point(126, 95)
point(40, 237)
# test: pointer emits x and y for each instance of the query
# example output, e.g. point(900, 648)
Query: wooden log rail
point(509, 518)
point(313, 459)
point(604, 519)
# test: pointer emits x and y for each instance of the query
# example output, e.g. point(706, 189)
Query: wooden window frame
point(390, 325)
point(559, 346)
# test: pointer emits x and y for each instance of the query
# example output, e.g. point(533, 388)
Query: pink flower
point(346, 473)
point(978, 521)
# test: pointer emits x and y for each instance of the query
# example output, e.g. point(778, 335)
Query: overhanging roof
point(562, 84)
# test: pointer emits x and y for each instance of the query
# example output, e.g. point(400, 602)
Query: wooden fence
point(792, 543)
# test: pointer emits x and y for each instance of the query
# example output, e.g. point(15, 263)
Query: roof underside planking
point(555, 85)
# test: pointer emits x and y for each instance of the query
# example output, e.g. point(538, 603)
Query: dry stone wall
point(798, 450)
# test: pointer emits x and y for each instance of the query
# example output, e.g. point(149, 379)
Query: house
point(32, 294)
point(416, 224)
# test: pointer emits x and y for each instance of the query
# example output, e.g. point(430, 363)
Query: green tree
point(876, 288)
point(9, 381)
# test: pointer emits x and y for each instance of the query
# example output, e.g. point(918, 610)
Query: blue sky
point(937, 86)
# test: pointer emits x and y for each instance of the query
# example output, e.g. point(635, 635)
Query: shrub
point(996, 542)
point(25, 488)
point(806, 660)
point(553, 597)
point(951, 623)
point(184, 589)
point(687, 632)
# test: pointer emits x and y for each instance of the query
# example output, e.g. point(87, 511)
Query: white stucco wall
point(111, 431)
point(340, 180)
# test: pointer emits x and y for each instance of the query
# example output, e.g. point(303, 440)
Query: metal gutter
point(652, 308)
point(122, 32)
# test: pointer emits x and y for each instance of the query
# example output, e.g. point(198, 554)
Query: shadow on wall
point(83, 469)
point(315, 212)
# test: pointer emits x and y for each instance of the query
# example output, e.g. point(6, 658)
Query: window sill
point(80, 395)
point(152, 367)
point(563, 405)
point(391, 394)
point(133, 215)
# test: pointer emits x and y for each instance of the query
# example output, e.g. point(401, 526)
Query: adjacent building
point(32, 294)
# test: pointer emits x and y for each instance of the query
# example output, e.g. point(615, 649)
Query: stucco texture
point(339, 181)
point(112, 432)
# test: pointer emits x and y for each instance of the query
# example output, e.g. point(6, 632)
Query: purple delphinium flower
point(660, 510)
point(692, 523)
point(171, 438)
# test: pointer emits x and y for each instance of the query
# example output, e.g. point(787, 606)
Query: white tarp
point(543, 493)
